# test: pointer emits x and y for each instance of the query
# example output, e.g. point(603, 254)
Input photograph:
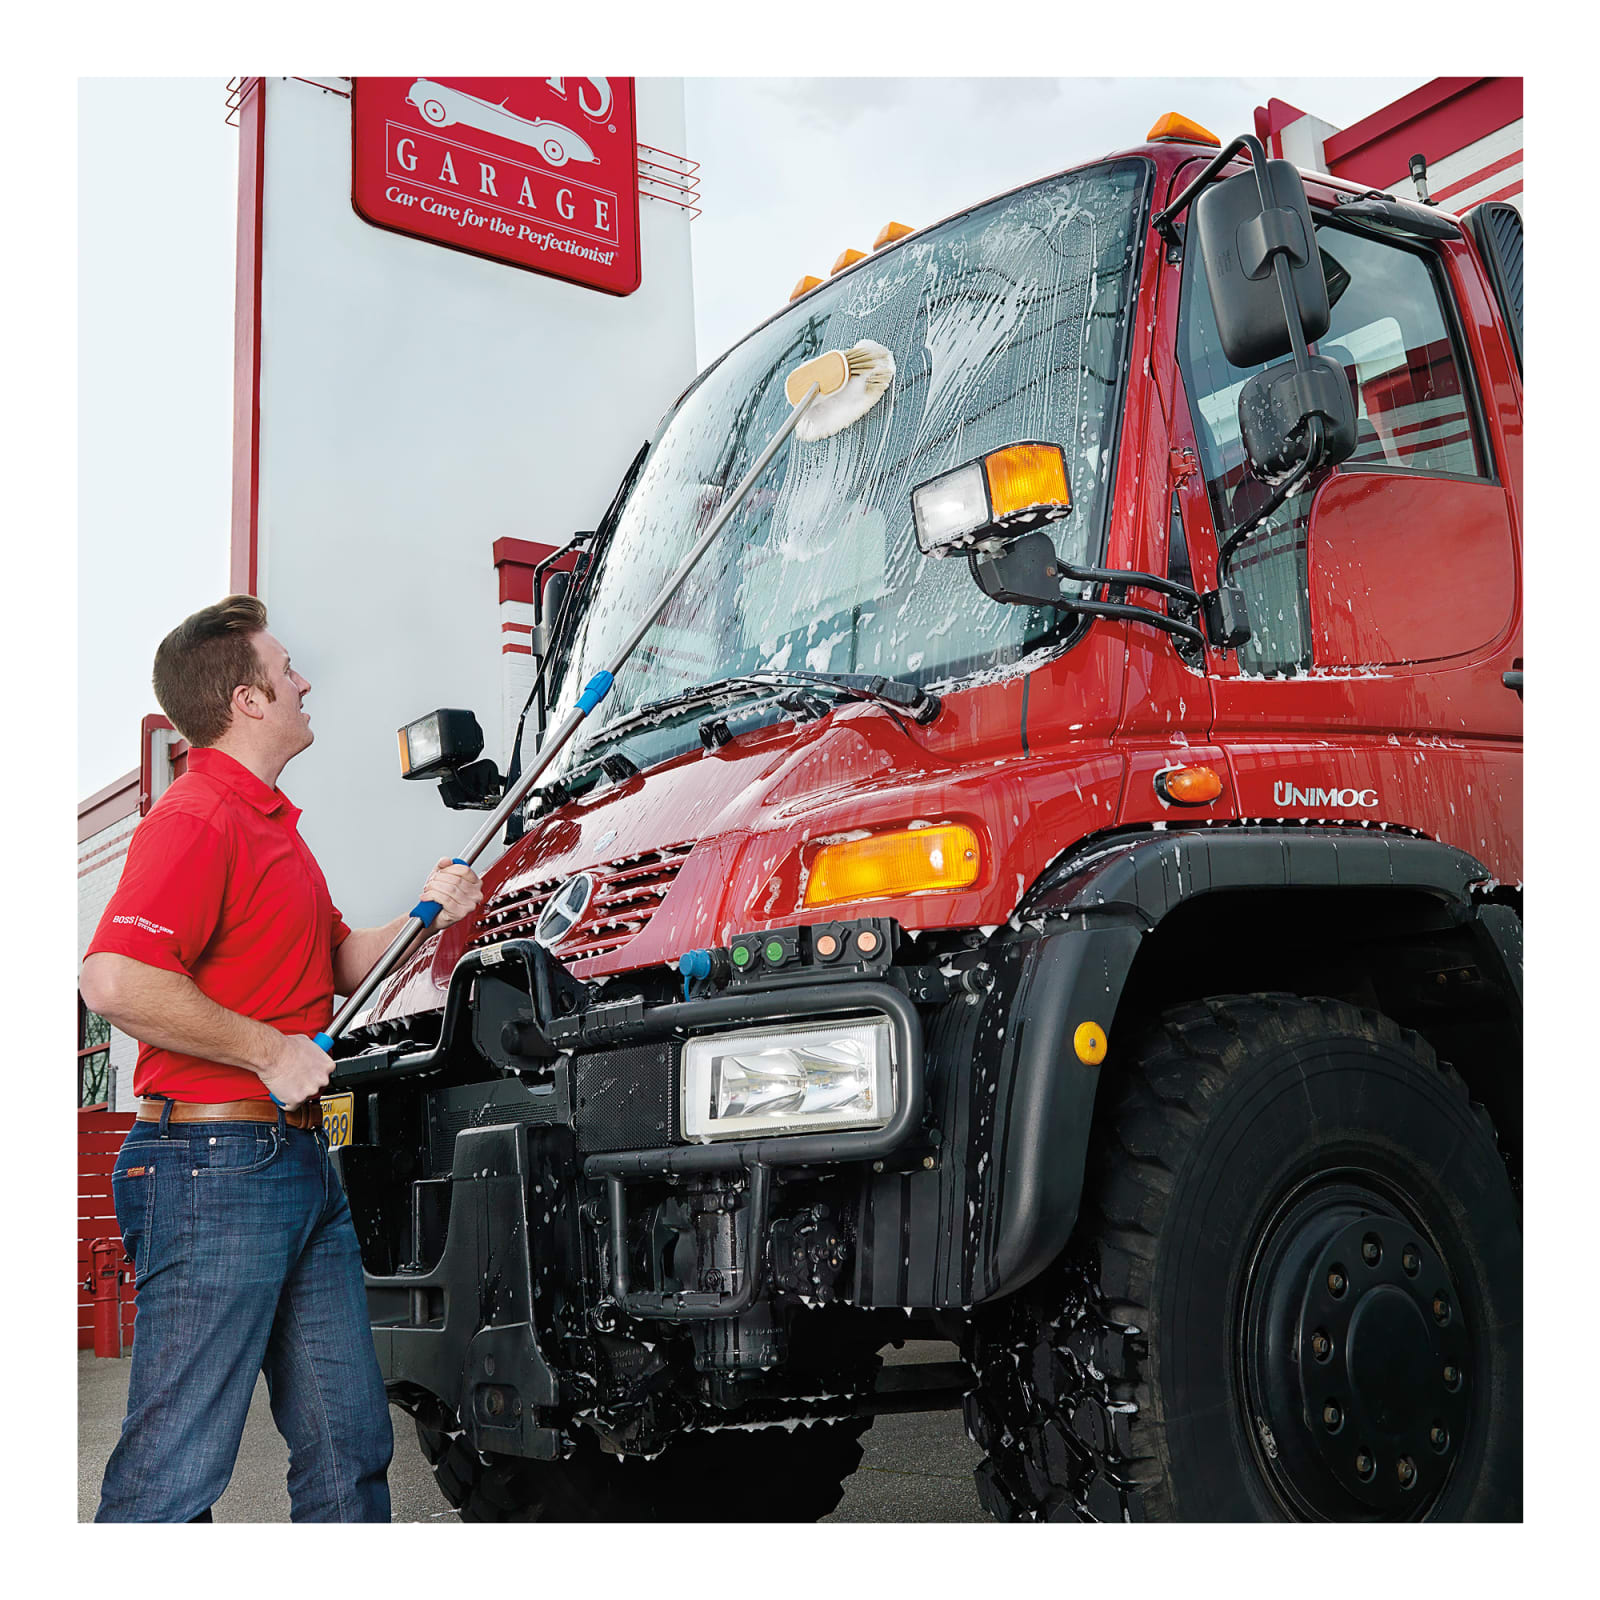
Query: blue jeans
point(246, 1261)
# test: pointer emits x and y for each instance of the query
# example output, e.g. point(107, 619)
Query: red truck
point(1049, 882)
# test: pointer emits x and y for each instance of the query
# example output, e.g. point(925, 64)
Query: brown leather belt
point(308, 1115)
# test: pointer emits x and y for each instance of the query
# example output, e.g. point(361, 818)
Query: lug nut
point(1441, 1310)
point(1406, 1471)
point(1437, 1437)
point(1452, 1377)
point(1336, 1282)
point(1411, 1261)
point(1321, 1345)
point(1372, 1250)
point(1364, 1465)
point(1332, 1416)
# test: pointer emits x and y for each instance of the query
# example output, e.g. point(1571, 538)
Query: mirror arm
point(1110, 608)
point(1163, 221)
point(1279, 495)
point(1129, 580)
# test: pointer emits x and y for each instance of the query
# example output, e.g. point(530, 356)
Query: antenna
point(1419, 176)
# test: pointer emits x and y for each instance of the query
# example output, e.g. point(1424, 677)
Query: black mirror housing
point(1275, 407)
point(1238, 240)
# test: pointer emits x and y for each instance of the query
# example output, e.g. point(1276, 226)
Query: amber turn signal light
point(888, 233)
point(847, 258)
point(908, 861)
point(1023, 476)
point(1188, 786)
point(804, 286)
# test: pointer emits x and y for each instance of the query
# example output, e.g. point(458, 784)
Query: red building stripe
point(1478, 176)
point(1501, 194)
point(109, 861)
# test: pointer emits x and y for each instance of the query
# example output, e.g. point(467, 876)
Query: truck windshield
point(1007, 323)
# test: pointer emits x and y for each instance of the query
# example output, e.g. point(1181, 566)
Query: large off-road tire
point(1294, 1292)
point(762, 1475)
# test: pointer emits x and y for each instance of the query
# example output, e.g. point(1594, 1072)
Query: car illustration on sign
point(440, 107)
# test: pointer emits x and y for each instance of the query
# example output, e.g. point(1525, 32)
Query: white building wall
point(417, 404)
point(100, 859)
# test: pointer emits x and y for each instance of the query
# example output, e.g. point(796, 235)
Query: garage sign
point(537, 172)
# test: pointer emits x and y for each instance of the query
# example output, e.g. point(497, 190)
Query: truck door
point(1385, 602)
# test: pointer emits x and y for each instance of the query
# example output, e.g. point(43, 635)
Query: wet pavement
point(917, 1467)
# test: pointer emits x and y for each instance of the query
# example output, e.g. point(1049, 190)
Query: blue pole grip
point(426, 910)
point(597, 688)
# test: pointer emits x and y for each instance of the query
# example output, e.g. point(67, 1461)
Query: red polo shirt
point(219, 886)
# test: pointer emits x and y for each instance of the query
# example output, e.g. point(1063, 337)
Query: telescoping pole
point(424, 912)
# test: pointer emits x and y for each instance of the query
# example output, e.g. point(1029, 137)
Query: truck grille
point(627, 892)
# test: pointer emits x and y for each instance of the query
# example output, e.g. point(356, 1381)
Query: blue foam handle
point(594, 691)
point(425, 911)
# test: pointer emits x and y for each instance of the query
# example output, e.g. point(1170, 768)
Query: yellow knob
point(1090, 1042)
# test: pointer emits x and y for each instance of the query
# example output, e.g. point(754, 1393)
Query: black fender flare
point(1076, 935)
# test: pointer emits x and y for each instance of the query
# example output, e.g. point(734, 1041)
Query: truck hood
point(714, 843)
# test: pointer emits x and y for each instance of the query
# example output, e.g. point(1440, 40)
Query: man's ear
point(247, 702)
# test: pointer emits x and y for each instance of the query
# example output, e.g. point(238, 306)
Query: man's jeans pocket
point(223, 1150)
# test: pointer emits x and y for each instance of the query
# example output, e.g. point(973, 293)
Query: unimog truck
point(1048, 882)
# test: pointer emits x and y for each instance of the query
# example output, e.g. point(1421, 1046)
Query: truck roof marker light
point(847, 258)
point(804, 286)
point(1175, 128)
point(996, 497)
point(1188, 786)
point(907, 861)
point(889, 232)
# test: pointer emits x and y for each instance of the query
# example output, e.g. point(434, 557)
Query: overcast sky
point(792, 171)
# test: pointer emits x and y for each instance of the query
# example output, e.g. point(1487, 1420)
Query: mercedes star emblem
point(564, 910)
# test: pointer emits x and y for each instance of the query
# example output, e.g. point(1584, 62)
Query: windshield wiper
point(918, 703)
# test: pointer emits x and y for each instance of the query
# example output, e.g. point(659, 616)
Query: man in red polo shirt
point(221, 952)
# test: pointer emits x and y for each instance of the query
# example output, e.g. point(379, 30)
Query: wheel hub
point(1356, 1357)
point(1382, 1311)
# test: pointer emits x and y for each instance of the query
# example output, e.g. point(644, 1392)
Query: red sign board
point(537, 172)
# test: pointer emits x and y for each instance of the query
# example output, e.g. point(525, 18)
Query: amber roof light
point(1174, 128)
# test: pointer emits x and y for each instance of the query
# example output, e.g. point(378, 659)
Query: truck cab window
point(1389, 332)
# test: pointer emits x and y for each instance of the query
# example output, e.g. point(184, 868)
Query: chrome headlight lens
point(825, 1075)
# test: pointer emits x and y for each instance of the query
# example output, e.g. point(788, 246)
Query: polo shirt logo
point(142, 922)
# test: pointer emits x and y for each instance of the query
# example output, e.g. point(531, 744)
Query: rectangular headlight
point(439, 743)
point(822, 1076)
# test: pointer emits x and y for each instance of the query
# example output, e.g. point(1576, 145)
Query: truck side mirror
point(1276, 408)
point(1239, 239)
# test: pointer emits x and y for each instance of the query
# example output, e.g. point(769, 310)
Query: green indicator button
point(741, 955)
point(775, 952)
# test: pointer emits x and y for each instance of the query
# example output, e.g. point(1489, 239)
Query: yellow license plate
point(337, 1110)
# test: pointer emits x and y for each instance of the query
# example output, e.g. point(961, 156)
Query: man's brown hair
point(203, 660)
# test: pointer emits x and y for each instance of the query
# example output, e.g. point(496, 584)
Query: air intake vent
point(627, 892)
